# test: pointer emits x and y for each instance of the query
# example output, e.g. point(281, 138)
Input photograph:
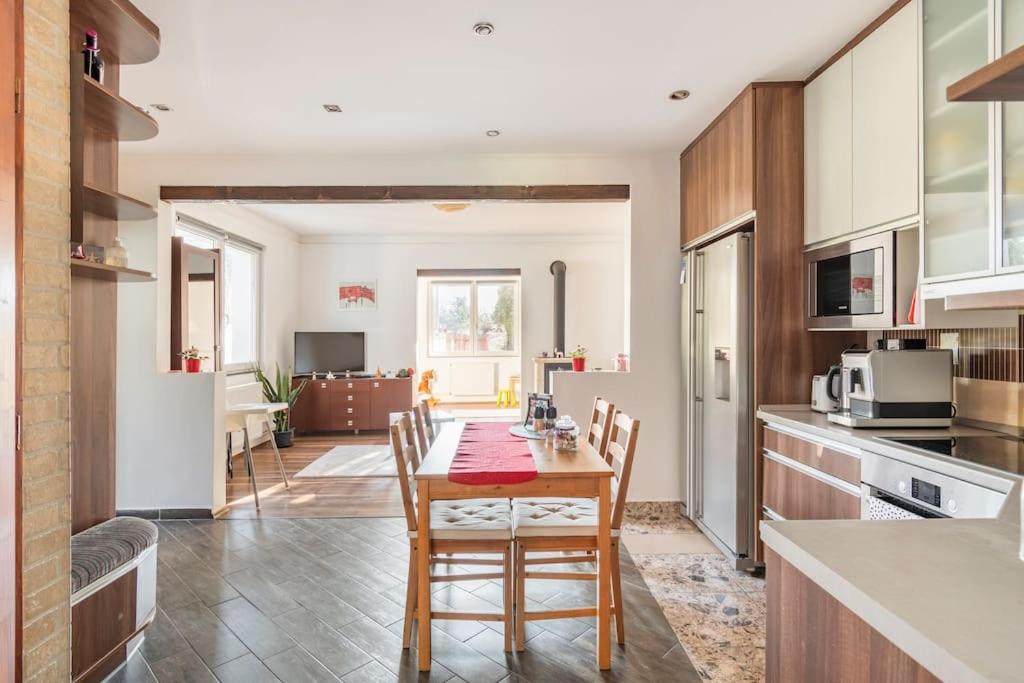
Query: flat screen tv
point(329, 352)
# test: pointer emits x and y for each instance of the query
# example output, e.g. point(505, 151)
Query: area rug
point(352, 461)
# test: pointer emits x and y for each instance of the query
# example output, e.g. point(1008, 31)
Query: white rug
point(353, 461)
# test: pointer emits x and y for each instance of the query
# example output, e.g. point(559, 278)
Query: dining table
point(582, 473)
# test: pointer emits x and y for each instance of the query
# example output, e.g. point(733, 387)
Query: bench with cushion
point(113, 594)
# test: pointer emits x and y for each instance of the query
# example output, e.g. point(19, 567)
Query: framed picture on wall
point(357, 296)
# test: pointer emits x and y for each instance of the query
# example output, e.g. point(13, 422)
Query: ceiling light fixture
point(493, 133)
point(679, 95)
point(484, 28)
point(451, 207)
point(162, 107)
point(332, 108)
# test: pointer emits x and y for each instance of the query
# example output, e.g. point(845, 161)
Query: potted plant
point(579, 359)
point(281, 391)
point(193, 359)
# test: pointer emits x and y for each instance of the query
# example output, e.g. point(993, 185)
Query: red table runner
point(488, 454)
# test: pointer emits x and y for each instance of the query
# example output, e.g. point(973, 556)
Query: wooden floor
point(319, 497)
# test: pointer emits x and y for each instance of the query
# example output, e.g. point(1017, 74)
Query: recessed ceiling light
point(679, 95)
point(162, 107)
point(493, 133)
point(332, 108)
point(483, 28)
point(451, 207)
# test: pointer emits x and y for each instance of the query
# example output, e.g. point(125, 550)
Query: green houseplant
point(579, 359)
point(281, 391)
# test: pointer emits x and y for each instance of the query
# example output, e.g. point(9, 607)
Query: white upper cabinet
point(886, 115)
point(827, 153)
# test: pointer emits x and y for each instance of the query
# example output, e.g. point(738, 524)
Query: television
point(329, 352)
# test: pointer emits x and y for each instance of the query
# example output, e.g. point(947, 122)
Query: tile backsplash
point(989, 353)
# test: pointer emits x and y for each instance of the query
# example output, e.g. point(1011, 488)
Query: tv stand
point(349, 404)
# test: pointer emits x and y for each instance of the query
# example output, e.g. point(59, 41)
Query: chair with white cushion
point(570, 525)
point(600, 425)
point(475, 526)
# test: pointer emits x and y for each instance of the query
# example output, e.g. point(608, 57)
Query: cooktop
point(1003, 453)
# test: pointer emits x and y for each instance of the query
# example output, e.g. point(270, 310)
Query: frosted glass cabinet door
point(1012, 251)
point(958, 221)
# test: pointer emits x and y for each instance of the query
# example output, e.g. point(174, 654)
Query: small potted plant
point(281, 391)
point(193, 359)
point(579, 359)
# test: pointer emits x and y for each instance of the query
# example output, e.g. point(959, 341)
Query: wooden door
point(10, 259)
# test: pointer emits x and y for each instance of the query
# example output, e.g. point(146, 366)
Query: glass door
point(1012, 193)
point(957, 168)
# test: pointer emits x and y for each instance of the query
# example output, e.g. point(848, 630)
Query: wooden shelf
point(115, 115)
point(116, 206)
point(998, 81)
point(123, 30)
point(101, 271)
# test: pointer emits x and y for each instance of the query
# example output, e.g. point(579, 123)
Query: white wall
point(651, 392)
point(170, 438)
point(594, 300)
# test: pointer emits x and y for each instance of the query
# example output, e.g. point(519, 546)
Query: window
point(474, 317)
point(241, 296)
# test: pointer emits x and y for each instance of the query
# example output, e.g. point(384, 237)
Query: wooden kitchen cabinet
point(717, 171)
point(828, 160)
point(886, 118)
point(352, 404)
point(807, 479)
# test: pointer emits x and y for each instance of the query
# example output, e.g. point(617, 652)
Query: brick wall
point(45, 473)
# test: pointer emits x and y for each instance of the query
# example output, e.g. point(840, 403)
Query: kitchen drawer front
point(350, 386)
point(841, 465)
point(347, 422)
point(792, 491)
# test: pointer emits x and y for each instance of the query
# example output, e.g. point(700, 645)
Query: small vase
point(579, 364)
point(192, 365)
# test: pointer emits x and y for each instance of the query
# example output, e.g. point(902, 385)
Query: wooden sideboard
point(342, 405)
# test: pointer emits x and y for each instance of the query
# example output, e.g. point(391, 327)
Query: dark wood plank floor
point(314, 497)
point(321, 600)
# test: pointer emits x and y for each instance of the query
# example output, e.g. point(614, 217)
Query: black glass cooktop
point(1003, 453)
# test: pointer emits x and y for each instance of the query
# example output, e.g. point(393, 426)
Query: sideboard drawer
point(794, 494)
point(814, 454)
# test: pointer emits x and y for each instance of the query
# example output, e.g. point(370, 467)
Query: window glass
point(450, 318)
point(196, 238)
point(495, 316)
point(241, 305)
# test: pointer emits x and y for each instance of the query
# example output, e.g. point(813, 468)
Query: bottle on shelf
point(92, 62)
point(117, 255)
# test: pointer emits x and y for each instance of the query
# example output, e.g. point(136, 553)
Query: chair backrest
point(403, 446)
point(428, 422)
point(601, 425)
point(621, 449)
point(421, 432)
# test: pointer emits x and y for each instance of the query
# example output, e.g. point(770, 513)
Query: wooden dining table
point(562, 474)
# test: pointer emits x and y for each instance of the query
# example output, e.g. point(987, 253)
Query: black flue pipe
point(558, 270)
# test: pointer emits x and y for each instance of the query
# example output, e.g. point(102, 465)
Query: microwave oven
point(864, 283)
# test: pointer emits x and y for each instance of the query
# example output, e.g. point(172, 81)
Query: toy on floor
point(427, 387)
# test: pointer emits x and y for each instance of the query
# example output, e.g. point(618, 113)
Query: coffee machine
point(895, 388)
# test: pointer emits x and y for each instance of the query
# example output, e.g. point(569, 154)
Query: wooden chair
point(570, 525)
point(428, 423)
point(476, 526)
point(600, 425)
point(421, 432)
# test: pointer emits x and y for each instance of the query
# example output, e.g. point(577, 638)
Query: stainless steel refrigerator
point(717, 318)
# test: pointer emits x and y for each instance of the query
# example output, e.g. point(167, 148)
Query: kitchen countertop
point(948, 592)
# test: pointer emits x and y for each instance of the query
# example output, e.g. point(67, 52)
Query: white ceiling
point(557, 76)
point(420, 219)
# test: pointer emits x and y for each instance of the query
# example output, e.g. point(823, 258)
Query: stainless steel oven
point(851, 285)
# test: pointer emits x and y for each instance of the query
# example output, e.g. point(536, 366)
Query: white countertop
point(948, 592)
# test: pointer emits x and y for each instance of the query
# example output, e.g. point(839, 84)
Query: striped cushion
point(101, 549)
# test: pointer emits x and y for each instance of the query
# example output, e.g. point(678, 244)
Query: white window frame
point(473, 282)
point(221, 240)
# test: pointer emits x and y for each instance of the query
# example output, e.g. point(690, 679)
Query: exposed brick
point(44, 382)
point(45, 330)
point(45, 518)
point(39, 408)
point(42, 601)
point(40, 576)
point(43, 464)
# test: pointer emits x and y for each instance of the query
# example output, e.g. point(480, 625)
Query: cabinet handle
point(323, 385)
point(350, 397)
point(376, 385)
point(350, 423)
point(350, 385)
point(349, 411)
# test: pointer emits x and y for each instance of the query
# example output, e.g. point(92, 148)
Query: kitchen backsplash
point(992, 353)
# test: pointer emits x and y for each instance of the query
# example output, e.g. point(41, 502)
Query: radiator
point(473, 378)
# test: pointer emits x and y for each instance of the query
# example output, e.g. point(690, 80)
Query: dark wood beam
point(341, 194)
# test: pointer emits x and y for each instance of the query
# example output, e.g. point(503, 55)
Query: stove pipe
point(558, 270)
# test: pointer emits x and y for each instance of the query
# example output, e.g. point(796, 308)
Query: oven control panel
point(926, 492)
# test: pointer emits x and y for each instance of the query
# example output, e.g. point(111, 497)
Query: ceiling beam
point(342, 194)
